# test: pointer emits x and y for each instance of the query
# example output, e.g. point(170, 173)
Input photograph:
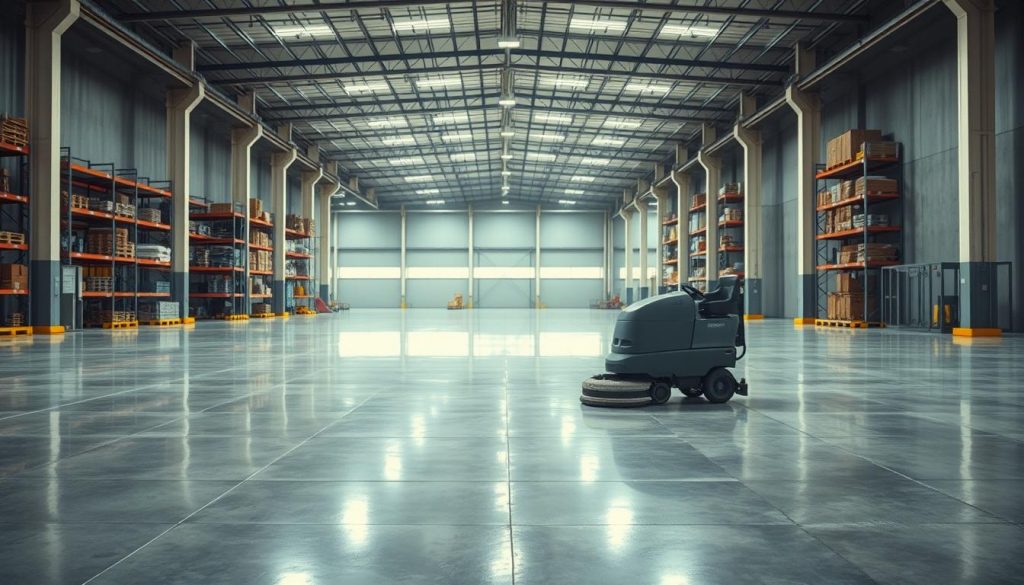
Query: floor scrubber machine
point(684, 339)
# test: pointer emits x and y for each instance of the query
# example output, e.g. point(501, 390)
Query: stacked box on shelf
point(13, 276)
point(158, 310)
point(14, 130)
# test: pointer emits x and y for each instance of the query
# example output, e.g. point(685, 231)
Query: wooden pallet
point(121, 325)
point(856, 324)
point(163, 323)
point(12, 238)
point(15, 331)
point(233, 317)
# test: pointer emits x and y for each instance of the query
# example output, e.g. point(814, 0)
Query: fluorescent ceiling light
point(457, 136)
point(552, 118)
point(420, 24)
point(623, 123)
point(434, 201)
point(507, 133)
point(463, 156)
point(454, 118)
point(510, 43)
point(506, 156)
point(388, 123)
point(548, 137)
point(438, 82)
point(541, 156)
point(596, 162)
point(567, 202)
point(602, 141)
point(581, 179)
point(573, 82)
point(506, 173)
point(598, 25)
point(419, 178)
point(507, 102)
point(427, 191)
point(574, 191)
point(368, 87)
point(350, 203)
point(398, 140)
point(685, 30)
point(406, 161)
point(504, 202)
point(304, 31)
point(638, 87)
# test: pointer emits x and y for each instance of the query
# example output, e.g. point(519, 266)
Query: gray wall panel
point(503, 293)
point(518, 258)
point(437, 257)
point(437, 230)
point(433, 294)
point(369, 258)
point(371, 294)
point(504, 230)
point(570, 294)
point(572, 258)
point(571, 230)
point(370, 230)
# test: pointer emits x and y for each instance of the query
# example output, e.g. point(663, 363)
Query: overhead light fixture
point(463, 156)
point(506, 173)
point(504, 201)
point(623, 123)
point(388, 123)
point(507, 133)
point(427, 191)
point(506, 156)
point(438, 82)
point(581, 179)
point(507, 102)
point(567, 202)
point(406, 161)
point(368, 87)
point(685, 30)
point(541, 156)
point(304, 31)
point(419, 178)
point(457, 137)
point(637, 87)
point(509, 43)
point(571, 82)
point(574, 191)
point(350, 203)
point(398, 140)
point(545, 118)
point(598, 25)
point(434, 201)
point(544, 137)
point(420, 24)
point(604, 141)
point(596, 162)
point(454, 118)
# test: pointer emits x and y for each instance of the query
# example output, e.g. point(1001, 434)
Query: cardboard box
point(255, 208)
point(221, 208)
point(875, 185)
point(844, 148)
point(853, 282)
point(13, 272)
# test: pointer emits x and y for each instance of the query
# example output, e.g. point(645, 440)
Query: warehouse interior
point(300, 292)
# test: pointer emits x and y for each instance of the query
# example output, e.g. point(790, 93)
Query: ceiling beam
point(620, 156)
point(379, 4)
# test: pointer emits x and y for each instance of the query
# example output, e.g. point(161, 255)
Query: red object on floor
point(321, 306)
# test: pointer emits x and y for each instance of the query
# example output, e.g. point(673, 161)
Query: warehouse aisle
point(450, 447)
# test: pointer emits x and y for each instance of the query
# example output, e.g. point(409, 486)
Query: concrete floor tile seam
point(196, 511)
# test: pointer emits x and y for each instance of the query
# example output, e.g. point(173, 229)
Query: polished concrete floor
point(383, 447)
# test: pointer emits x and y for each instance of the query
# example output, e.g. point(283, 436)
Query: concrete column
point(713, 178)
point(325, 247)
point(627, 238)
point(807, 107)
point(180, 103)
point(242, 141)
point(46, 22)
point(976, 181)
point(279, 197)
point(643, 291)
point(682, 182)
point(609, 248)
point(307, 192)
point(470, 259)
point(753, 242)
point(536, 262)
point(401, 257)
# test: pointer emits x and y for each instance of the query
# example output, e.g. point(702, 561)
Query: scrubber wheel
point(719, 385)
point(609, 390)
point(691, 392)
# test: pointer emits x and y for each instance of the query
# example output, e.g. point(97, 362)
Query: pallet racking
point(857, 232)
point(670, 252)
point(260, 265)
point(217, 285)
point(730, 230)
point(697, 229)
point(299, 277)
point(15, 303)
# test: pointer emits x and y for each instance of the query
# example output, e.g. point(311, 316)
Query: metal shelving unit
point(15, 304)
point(260, 279)
point(697, 230)
point(217, 291)
point(299, 271)
point(730, 229)
point(670, 252)
point(853, 254)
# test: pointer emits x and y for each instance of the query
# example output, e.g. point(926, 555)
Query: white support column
point(682, 182)
point(976, 180)
point(808, 114)
point(242, 141)
point(307, 192)
point(712, 179)
point(609, 248)
point(326, 240)
point(753, 242)
point(536, 262)
point(643, 291)
point(661, 200)
point(470, 260)
point(180, 103)
point(279, 202)
point(401, 257)
point(627, 238)
point(46, 23)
